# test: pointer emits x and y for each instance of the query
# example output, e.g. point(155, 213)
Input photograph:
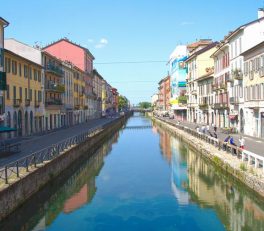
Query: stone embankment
point(22, 188)
point(252, 177)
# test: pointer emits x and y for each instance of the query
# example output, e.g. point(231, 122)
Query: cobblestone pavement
point(252, 144)
point(38, 142)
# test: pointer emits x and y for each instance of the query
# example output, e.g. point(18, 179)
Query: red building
point(164, 94)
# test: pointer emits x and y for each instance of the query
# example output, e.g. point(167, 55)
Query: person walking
point(241, 142)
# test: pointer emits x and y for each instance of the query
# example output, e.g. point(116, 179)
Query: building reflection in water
point(78, 190)
point(196, 181)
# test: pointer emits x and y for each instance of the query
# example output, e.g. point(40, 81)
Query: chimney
point(260, 13)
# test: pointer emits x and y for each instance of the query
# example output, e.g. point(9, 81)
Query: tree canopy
point(122, 102)
point(144, 105)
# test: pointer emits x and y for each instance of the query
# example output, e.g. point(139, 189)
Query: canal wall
point(249, 176)
point(21, 190)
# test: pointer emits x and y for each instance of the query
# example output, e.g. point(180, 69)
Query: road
point(38, 142)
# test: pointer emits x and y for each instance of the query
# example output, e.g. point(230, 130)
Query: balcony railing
point(37, 104)
point(53, 102)
point(234, 100)
point(55, 87)
point(237, 74)
point(219, 86)
point(203, 105)
point(220, 106)
point(194, 92)
point(54, 69)
point(27, 102)
point(17, 102)
point(77, 107)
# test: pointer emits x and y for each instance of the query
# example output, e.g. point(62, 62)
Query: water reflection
point(196, 181)
point(78, 190)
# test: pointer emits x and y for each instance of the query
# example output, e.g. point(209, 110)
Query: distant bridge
point(138, 127)
point(136, 109)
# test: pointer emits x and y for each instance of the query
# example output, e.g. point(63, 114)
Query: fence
point(16, 169)
point(245, 156)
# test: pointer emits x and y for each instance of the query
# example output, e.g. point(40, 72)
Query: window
point(25, 71)
point(20, 93)
point(14, 92)
point(14, 67)
point(39, 76)
point(19, 69)
point(39, 96)
point(1, 57)
point(30, 94)
point(35, 96)
point(240, 45)
point(240, 91)
point(35, 74)
point(7, 92)
point(26, 93)
point(7, 65)
point(246, 68)
point(30, 72)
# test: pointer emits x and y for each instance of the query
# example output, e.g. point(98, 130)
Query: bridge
point(138, 127)
point(137, 109)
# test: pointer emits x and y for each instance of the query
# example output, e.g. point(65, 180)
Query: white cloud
point(90, 40)
point(186, 23)
point(102, 43)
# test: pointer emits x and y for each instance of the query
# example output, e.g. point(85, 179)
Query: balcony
point(219, 86)
point(203, 106)
point(234, 100)
point(53, 103)
point(37, 104)
point(54, 69)
point(237, 74)
point(77, 107)
point(17, 102)
point(194, 92)
point(220, 106)
point(50, 86)
point(27, 102)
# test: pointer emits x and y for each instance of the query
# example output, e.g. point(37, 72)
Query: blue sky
point(127, 31)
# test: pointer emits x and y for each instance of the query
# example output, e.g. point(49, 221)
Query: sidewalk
point(38, 142)
point(252, 144)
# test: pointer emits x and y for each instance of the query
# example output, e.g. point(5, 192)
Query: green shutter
point(2, 81)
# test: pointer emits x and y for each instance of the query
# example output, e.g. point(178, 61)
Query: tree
point(145, 105)
point(122, 102)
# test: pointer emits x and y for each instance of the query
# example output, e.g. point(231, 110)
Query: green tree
point(145, 105)
point(122, 102)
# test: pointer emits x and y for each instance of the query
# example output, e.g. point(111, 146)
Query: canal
point(142, 178)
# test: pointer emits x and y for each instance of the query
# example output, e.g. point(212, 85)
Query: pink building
point(68, 51)
point(82, 58)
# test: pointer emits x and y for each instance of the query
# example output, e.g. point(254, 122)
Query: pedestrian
point(203, 129)
point(215, 135)
point(225, 142)
point(198, 129)
point(215, 128)
point(231, 141)
point(207, 128)
point(241, 142)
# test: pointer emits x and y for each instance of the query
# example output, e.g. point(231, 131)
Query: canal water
point(143, 178)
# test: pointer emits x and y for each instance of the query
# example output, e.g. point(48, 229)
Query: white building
point(240, 40)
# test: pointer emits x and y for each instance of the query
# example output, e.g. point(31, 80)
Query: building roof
point(21, 57)
point(210, 46)
point(164, 79)
point(253, 48)
point(68, 41)
point(232, 33)
point(95, 72)
point(4, 22)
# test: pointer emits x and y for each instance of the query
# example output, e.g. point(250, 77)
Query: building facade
point(178, 73)
point(254, 90)
point(3, 24)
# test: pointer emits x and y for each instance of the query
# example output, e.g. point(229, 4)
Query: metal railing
point(12, 171)
point(245, 156)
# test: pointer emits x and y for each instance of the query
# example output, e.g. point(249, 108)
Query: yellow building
point(79, 96)
point(23, 97)
point(54, 89)
point(199, 84)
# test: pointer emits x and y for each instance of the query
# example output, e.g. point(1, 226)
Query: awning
point(232, 117)
point(6, 129)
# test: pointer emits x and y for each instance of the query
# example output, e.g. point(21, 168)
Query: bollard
point(6, 180)
point(17, 169)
